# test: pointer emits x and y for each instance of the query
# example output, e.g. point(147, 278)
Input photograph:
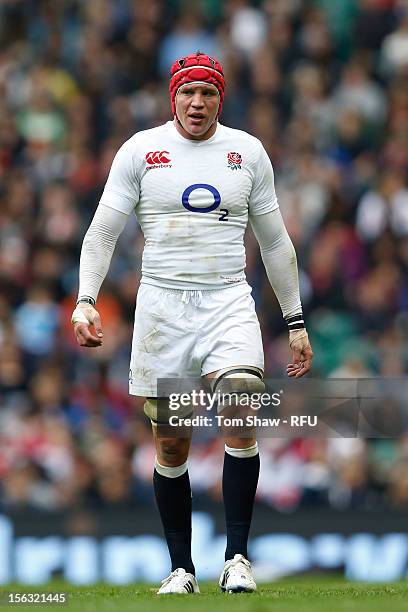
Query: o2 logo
point(185, 200)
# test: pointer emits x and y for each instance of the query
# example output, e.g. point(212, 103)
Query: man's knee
point(237, 387)
point(172, 451)
point(158, 410)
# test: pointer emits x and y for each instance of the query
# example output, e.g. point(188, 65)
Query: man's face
point(196, 109)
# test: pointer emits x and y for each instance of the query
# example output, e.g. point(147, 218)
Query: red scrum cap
point(196, 67)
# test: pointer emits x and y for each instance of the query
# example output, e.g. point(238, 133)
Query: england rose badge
point(234, 160)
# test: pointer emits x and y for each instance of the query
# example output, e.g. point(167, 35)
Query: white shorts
point(188, 334)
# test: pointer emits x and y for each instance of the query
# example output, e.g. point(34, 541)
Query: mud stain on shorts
point(152, 342)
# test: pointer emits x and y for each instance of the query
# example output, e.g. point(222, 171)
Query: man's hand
point(83, 316)
point(302, 353)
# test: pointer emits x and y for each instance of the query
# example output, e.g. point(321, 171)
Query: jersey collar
point(195, 143)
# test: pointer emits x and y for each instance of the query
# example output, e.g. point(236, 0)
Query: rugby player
point(194, 185)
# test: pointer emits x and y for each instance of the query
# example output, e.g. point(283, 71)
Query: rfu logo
point(158, 159)
point(234, 160)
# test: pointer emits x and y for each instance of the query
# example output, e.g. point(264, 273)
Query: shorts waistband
point(192, 296)
point(146, 280)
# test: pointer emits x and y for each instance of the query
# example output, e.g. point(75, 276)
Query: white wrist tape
point(298, 334)
point(83, 313)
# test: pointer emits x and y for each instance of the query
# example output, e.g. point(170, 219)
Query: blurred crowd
point(323, 84)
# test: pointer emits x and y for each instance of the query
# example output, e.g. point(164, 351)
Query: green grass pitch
point(290, 595)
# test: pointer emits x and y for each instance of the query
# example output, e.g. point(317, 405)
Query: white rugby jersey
point(192, 200)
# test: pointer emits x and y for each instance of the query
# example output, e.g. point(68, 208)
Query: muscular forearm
point(97, 249)
point(279, 258)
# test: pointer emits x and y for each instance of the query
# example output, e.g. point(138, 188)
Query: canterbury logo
point(158, 157)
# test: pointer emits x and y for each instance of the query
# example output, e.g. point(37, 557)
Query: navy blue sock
point(239, 482)
point(173, 496)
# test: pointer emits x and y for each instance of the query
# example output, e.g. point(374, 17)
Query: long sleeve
point(279, 258)
point(97, 249)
